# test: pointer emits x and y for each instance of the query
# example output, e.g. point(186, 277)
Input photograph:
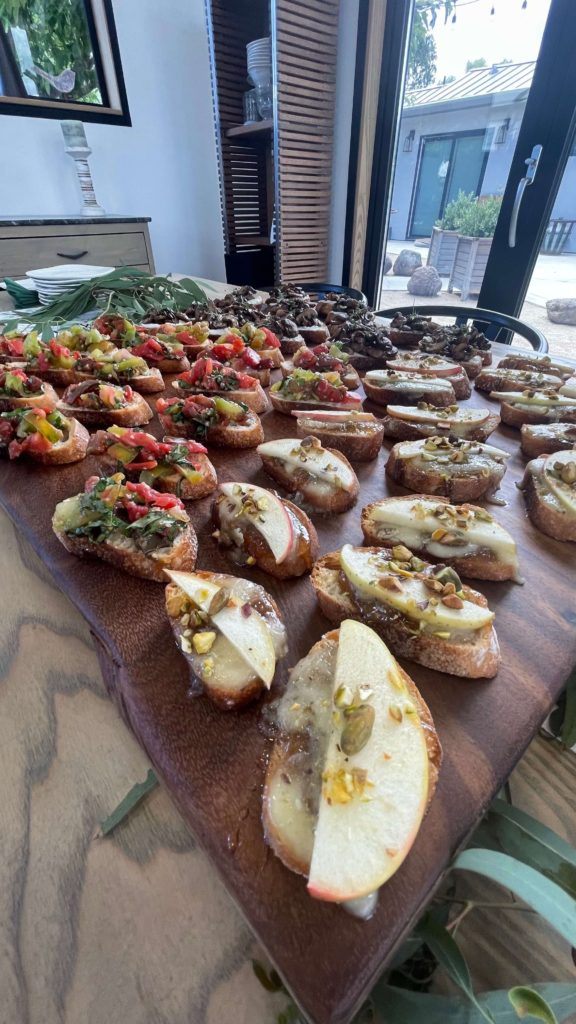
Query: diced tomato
point(195, 448)
point(152, 497)
point(91, 483)
point(12, 346)
point(60, 351)
point(328, 393)
point(163, 403)
point(6, 430)
point(15, 373)
point(128, 393)
point(108, 394)
point(271, 340)
point(150, 464)
point(245, 380)
point(42, 361)
point(305, 358)
point(150, 349)
point(251, 358)
point(222, 352)
point(135, 511)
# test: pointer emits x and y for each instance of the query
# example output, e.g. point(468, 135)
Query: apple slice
point(414, 449)
point(430, 366)
point(568, 388)
point(241, 627)
point(562, 489)
point(473, 417)
point(318, 462)
point(335, 415)
point(369, 575)
point(270, 518)
point(536, 398)
point(360, 843)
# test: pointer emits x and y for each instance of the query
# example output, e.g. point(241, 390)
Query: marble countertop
point(35, 219)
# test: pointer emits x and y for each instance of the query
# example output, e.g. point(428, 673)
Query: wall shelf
point(250, 129)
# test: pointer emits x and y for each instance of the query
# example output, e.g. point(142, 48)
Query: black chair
point(496, 326)
point(320, 290)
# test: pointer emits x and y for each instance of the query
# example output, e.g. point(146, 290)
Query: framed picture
point(60, 58)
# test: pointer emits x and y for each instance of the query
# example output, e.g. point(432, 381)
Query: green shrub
point(471, 215)
point(455, 210)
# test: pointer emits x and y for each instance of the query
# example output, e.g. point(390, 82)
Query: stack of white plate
point(50, 282)
point(259, 58)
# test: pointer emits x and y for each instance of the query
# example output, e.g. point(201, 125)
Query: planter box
point(469, 265)
point(442, 251)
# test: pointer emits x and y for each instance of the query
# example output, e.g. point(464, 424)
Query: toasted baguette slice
point(56, 376)
point(293, 787)
point(148, 383)
point(409, 423)
point(473, 654)
point(172, 466)
point(309, 359)
point(305, 389)
point(320, 478)
point(535, 407)
point(465, 537)
point(427, 365)
point(229, 630)
point(389, 387)
point(540, 364)
point(254, 398)
point(217, 421)
point(546, 438)
point(69, 442)
point(125, 547)
point(549, 487)
point(502, 379)
point(261, 529)
point(457, 469)
point(97, 404)
point(358, 435)
point(18, 390)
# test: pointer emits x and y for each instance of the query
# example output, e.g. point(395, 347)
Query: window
point(59, 58)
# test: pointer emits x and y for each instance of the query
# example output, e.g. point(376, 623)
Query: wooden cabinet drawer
point(105, 249)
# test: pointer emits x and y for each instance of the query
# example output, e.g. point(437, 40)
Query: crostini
point(209, 377)
point(529, 406)
point(285, 329)
point(465, 537)
point(259, 528)
point(320, 478)
point(463, 344)
point(422, 611)
point(130, 525)
point(234, 353)
point(52, 362)
point(165, 353)
point(408, 331)
point(194, 337)
point(218, 421)
point(353, 768)
point(98, 404)
point(411, 422)
point(44, 435)
point(260, 338)
point(497, 378)
point(536, 363)
point(358, 435)
point(546, 438)
point(117, 328)
point(549, 487)
point(434, 366)
point(387, 387)
point(173, 465)
point(311, 327)
point(365, 340)
point(305, 389)
point(229, 630)
point(120, 367)
point(457, 469)
point(324, 358)
point(17, 388)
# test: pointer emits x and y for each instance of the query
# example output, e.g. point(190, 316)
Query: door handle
point(72, 255)
point(531, 168)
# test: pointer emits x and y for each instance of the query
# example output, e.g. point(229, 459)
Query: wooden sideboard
point(28, 243)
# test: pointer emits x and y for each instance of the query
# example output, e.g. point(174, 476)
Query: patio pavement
point(554, 277)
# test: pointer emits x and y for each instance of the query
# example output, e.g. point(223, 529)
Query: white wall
point(345, 69)
point(163, 167)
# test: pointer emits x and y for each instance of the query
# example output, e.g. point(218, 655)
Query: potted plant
point(445, 234)
point(476, 229)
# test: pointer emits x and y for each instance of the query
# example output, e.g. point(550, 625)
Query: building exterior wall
point(499, 158)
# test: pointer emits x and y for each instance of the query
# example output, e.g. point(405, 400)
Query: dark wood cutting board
point(212, 761)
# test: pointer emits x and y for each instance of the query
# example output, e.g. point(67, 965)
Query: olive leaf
point(130, 801)
point(529, 1003)
point(544, 896)
point(400, 1006)
point(521, 836)
point(272, 981)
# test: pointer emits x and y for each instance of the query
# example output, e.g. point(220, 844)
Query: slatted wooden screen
point(306, 44)
point(243, 176)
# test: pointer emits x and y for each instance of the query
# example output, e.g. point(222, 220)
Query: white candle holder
point(78, 149)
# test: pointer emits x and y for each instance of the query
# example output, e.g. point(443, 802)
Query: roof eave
point(487, 100)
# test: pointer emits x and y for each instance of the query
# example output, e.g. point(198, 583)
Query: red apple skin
point(427, 371)
point(303, 550)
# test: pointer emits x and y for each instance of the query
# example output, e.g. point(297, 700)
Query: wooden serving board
point(213, 762)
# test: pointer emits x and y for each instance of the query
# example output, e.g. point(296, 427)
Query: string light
point(492, 10)
point(453, 19)
point(524, 4)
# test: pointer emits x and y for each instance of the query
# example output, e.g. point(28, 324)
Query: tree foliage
point(58, 36)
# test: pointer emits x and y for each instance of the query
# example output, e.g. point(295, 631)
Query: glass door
point(483, 88)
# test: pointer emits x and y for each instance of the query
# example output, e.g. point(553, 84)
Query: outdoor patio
point(554, 277)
